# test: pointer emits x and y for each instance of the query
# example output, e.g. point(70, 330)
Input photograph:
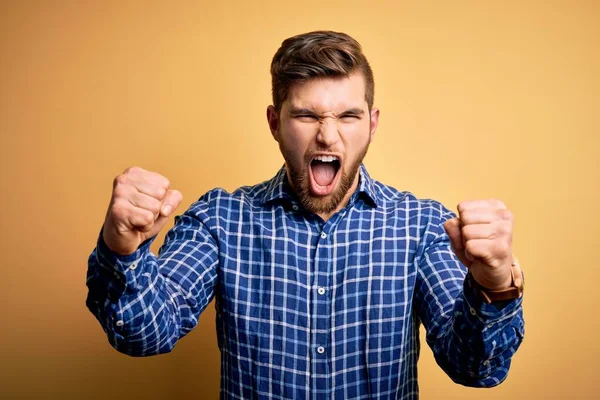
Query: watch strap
point(515, 291)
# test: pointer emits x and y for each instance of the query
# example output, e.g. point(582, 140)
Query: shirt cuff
point(128, 268)
point(486, 313)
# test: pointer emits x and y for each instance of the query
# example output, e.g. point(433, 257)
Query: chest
point(280, 265)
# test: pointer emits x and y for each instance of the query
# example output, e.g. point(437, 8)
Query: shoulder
point(394, 199)
point(220, 201)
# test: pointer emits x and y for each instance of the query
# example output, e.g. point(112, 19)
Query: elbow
point(141, 336)
point(138, 332)
point(485, 376)
point(138, 346)
point(483, 381)
point(488, 369)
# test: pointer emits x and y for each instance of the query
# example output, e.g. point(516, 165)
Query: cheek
point(350, 131)
point(356, 137)
point(299, 135)
point(295, 141)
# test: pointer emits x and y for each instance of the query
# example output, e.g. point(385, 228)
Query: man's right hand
point(140, 206)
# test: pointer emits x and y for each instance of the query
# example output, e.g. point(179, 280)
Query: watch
point(515, 290)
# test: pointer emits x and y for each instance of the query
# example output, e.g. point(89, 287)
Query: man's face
point(324, 130)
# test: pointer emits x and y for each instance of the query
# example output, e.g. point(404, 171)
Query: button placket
point(322, 306)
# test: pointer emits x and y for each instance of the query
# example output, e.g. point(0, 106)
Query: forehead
point(325, 94)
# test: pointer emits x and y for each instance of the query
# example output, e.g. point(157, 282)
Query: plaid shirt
point(308, 309)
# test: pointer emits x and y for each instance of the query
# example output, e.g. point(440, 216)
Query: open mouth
point(324, 174)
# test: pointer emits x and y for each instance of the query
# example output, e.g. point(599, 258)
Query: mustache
point(310, 154)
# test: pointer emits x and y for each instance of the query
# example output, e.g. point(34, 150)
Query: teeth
point(326, 158)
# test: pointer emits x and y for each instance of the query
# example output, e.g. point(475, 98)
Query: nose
point(328, 134)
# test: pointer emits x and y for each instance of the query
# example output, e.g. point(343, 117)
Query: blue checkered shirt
point(308, 309)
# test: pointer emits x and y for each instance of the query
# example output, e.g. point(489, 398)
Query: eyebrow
point(294, 111)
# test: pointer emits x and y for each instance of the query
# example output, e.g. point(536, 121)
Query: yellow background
point(478, 99)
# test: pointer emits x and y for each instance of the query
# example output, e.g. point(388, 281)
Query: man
point(321, 275)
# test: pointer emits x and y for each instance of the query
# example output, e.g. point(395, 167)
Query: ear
point(273, 120)
point(374, 122)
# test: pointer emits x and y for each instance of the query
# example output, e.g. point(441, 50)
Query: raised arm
point(143, 302)
point(471, 340)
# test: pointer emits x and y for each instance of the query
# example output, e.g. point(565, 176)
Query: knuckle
point(470, 246)
point(466, 231)
point(119, 210)
point(466, 217)
point(131, 170)
point(147, 218)
point(119, 180)
point(161, 191)
point(119, 191)
point(496, 203)
point(154, 207)
point(506, 214)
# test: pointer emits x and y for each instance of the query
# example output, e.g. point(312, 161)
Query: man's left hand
point(481, 237)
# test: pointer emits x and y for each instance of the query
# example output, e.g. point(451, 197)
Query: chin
point(325, 204)
point(322, 198)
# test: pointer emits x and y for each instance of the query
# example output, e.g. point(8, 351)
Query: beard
point(299, 180)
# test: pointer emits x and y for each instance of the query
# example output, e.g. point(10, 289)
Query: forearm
point(141, 302)
point(477, 345)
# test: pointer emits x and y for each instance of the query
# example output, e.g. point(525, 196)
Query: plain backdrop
point(478, 99)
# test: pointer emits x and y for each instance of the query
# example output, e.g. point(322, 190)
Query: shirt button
point(473, 311)
point(295, 207)
point(323, 235)
point(486, 362)
point(321, 350)
point(321, 290)
point(490, 325)
point(133, 266)
point(119, 323)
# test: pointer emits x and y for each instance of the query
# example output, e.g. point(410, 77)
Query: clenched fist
point(140, 206)
point(481, 237)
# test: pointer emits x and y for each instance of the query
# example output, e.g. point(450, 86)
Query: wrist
point(115, 245)
point(513, 290)
point(497, 284)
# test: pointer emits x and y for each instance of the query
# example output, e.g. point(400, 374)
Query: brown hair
point(318, 54)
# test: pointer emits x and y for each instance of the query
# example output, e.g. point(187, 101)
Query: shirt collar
point(278, 187)
point(366, 186)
